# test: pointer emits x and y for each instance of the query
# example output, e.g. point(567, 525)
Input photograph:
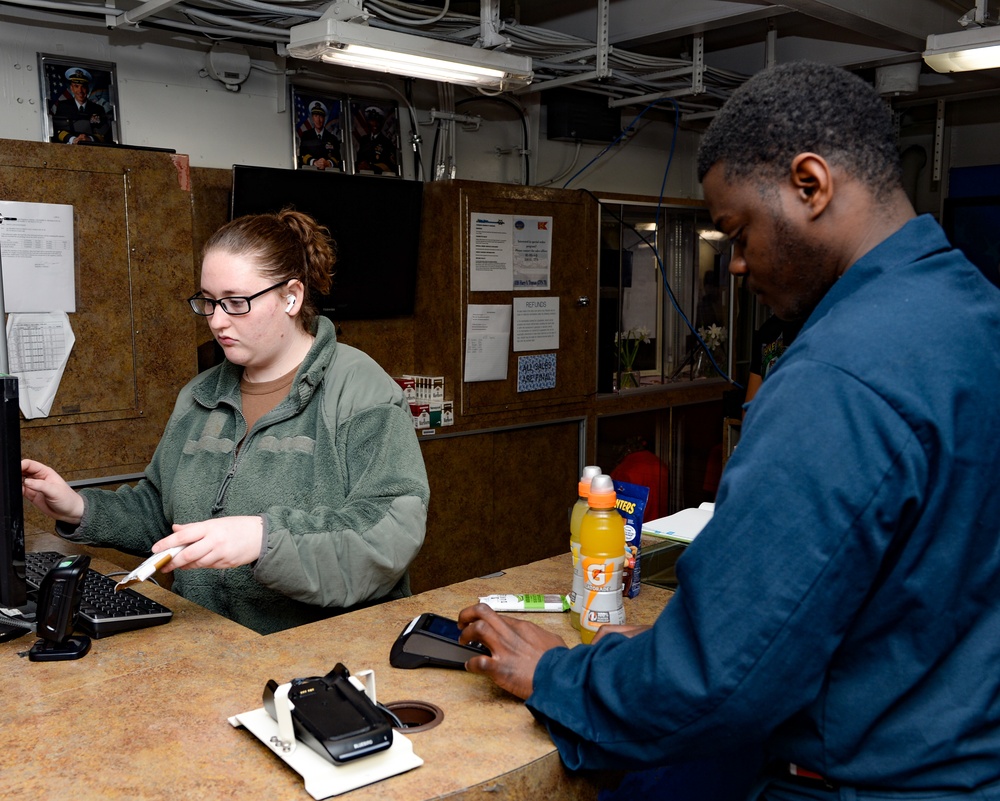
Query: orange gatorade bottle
point(602, 559)
point(590, 472)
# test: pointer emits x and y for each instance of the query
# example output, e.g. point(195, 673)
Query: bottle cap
point(602, 493)
point(590, 472)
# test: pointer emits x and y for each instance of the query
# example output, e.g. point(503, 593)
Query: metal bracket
point(696, 71)
point(346, 11)
point(938, 142)
point(603, 39)
point(489, 25)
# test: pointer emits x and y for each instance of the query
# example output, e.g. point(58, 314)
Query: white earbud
point(291, 303)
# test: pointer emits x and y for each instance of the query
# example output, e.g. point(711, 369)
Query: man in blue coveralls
point(841, 611)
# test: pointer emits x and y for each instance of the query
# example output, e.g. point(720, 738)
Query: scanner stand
point(54, 651)
point(323, 778)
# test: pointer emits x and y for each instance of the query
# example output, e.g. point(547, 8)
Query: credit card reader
point(430, 640)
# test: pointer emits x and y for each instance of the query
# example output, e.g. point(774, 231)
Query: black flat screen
point(374, 221)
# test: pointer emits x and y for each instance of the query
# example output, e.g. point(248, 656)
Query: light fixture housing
point(971, 49)
point(359, 45)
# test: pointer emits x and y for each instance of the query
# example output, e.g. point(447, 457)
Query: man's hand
point(628, 631)
point(219, 543)
point(515, 645)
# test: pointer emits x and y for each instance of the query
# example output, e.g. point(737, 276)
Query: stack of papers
point(682, 526)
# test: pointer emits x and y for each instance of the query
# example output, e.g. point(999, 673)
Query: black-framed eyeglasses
point(233, 306)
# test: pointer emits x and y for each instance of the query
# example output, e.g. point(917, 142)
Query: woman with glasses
point(290, 472)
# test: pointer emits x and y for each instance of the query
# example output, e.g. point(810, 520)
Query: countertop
point(145, 714)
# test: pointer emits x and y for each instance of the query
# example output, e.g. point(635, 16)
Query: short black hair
point(804, 107)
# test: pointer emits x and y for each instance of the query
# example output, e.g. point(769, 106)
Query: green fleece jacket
point(335, 471)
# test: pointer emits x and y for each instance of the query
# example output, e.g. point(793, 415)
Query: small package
point(421, 415)
point(529, 602)
point(448, 413)
point(631, 505)
point(408, 384)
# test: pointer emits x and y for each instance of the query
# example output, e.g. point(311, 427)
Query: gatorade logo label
point(596, 574)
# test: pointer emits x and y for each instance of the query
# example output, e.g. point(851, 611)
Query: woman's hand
point(219, 543)
point(49, 493)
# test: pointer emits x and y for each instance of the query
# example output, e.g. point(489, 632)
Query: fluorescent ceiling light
point(360, 45)
point(971, 49)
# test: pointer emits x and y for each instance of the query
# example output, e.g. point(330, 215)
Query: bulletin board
point(135, 337)
point(444, 291)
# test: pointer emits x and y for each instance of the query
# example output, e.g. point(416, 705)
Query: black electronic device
point(430, 640)
point(59, 599)
point(333, 717)
point(105, 609)
point(13, 585)
point(374, 220)
point(14, 600)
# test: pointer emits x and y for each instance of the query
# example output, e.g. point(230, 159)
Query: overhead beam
point(687, 18)
point(904, 25)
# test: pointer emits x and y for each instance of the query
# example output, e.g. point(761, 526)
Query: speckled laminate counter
point(144, 714)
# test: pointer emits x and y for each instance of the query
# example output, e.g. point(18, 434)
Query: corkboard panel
point(104, 387)
point(498, 499)
point(389, 342)
point(135, 345)
point(443, 294)
point(211, 199)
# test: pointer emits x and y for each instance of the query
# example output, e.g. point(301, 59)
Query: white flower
point(628, 344)
point(714, 336)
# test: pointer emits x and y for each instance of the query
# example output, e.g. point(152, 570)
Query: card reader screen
point(443, 627)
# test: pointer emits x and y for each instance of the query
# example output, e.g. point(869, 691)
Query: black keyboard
point(102, 610)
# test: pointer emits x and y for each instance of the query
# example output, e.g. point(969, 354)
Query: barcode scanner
point(58, 605)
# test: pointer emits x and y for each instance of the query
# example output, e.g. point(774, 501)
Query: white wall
point(164, 102)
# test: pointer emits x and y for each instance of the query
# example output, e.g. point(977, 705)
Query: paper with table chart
point(38, 347)
point(682, 526)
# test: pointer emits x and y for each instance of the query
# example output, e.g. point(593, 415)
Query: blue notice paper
point(536, 372)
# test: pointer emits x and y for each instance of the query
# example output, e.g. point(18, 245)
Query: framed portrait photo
point(80, 98)
point(318, 133)
point(375, 136)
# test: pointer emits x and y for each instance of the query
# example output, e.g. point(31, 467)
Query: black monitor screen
point(973, 226)
point(13, 585)
point(375, 222)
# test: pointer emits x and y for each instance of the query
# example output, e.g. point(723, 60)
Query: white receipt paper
point(150, 566)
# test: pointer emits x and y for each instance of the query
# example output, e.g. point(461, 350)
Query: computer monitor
point(375, 221)
point(13, 585)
